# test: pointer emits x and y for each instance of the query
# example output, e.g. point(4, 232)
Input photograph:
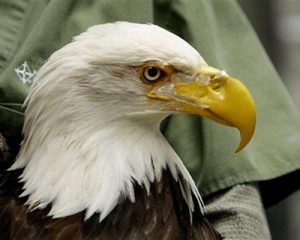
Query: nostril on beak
point(216, 86)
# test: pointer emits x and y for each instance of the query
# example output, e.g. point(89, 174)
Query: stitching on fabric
point(26, 73)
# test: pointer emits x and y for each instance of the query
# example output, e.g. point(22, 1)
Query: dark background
point(277, 23)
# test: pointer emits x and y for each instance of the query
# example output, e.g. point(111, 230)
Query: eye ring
point(152, 73)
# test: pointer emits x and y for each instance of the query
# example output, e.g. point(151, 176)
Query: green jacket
point(32, 30)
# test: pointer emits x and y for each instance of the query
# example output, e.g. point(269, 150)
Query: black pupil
point(152, 72)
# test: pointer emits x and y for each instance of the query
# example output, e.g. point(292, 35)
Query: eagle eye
point(152, 73)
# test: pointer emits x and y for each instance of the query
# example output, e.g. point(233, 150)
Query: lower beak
point(223, 99)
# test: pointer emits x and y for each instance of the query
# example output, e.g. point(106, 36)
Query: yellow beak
point(223, 99)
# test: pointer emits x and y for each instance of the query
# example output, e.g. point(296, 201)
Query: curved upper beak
point(215, 95)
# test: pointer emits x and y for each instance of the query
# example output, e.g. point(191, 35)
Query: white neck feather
point(97, 170)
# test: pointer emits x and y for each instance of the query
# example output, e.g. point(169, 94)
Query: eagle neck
point(94, 169)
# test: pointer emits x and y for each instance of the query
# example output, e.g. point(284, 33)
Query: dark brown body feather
point(161, 215)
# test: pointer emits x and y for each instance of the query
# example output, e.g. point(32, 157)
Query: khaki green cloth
point(30, 30)
point(238, 213)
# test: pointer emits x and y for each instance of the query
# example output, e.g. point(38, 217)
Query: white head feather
point(90, 132)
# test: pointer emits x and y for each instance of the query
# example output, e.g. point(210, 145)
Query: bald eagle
point(93, 163)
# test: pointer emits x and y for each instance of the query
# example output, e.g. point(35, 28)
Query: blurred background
point(277, 23)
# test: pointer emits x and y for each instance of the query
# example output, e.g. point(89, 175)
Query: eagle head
point(91, 126)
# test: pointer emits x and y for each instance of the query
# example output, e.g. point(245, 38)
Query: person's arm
point(238, 213)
